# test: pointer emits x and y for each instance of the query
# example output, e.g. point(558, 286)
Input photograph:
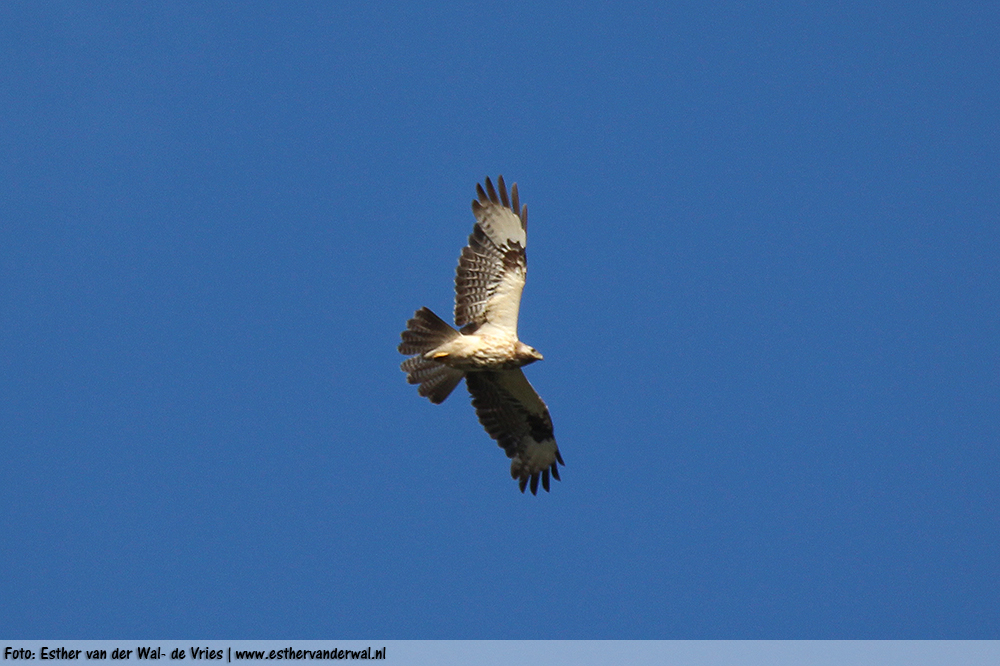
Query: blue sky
point(763, 261)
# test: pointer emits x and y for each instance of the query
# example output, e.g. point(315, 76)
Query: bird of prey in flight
point(485, 349)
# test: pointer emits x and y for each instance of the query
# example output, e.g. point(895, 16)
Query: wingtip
point(498, 195)
point(491, 191)
point(503, 192)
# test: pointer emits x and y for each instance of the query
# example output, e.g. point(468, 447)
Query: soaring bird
point(485, 349)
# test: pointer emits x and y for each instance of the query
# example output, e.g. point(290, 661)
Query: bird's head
point(526, 354)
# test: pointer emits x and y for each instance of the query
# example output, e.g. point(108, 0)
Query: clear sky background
point(763, 271)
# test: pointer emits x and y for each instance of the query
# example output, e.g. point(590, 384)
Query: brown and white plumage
point(492, 267)
point(486, 350)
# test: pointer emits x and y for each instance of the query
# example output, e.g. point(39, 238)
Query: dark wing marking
point(492, 267)
point(514, 415)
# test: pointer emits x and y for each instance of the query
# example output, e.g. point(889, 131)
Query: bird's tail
point(427, 331)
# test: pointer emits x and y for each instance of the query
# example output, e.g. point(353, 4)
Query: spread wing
point(490, 275)
point(513, 414)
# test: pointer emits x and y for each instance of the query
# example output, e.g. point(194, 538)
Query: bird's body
point(488, 348)
point(485, 350)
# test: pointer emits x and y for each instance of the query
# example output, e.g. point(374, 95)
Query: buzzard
point(485, 349)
